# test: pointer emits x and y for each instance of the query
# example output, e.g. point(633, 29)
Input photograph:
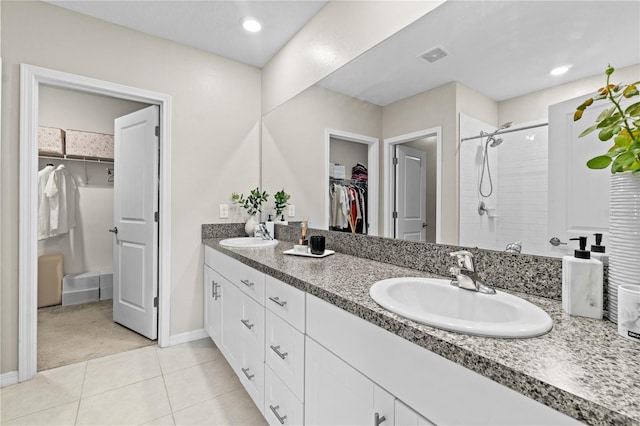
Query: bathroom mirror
point(466, 67)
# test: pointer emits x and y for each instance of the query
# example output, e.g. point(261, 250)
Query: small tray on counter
point(293, 252)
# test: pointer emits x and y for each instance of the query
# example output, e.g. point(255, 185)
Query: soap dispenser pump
point(582, 283)
point(598, 250)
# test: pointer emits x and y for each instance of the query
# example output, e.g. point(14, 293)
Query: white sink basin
point(248, 242)
point(437, 303)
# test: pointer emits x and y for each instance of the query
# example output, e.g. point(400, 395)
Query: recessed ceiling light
point(560, 70)
point(251, 24)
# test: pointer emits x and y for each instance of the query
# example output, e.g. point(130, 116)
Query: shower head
point(495, 142)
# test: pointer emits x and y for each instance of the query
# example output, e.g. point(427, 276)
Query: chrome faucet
point(465, 273)
point(514, 247)
point(262, 232)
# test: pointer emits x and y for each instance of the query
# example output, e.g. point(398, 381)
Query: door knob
point(424, 225)
point(114, 230)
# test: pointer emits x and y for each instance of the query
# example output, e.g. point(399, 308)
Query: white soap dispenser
point(270, 226)
point(582, 283)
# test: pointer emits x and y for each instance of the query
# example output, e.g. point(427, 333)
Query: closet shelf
point(86, 160)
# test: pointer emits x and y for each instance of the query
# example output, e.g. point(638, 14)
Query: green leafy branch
point(281, 199)
point(253, 203)
point(623, 126)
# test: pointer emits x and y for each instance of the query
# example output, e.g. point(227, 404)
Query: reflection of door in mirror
point(411, 191)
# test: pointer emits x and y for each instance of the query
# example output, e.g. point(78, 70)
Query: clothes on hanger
point(348, 206)
point(58, 200)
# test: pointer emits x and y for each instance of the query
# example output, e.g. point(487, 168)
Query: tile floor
point(188, 384)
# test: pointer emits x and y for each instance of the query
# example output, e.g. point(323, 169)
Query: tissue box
point(80, 288)
point(51, 141)
point(80, 144)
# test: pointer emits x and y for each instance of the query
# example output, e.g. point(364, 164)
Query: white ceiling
point(502, 48)
point(213, 26)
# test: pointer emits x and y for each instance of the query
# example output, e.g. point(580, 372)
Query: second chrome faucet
point(465, 273)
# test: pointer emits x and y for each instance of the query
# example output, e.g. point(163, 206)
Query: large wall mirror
point(454, 130)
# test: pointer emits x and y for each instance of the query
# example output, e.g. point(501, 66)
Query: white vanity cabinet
point(337, 394)
point(306, 361)
point(234, 318)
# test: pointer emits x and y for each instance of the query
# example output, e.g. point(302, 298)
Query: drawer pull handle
point(214, 290)
point(247, 283)
point(277, 301)
point(281, 419)
point(276, 349)
point(377, 420)
point(247, 323)
point(246, 373)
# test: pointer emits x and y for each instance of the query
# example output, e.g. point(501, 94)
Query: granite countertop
point(582, 367)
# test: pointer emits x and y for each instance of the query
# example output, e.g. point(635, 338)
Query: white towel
point(43, 203)
point(62, 192)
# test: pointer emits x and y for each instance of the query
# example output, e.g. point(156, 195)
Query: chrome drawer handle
point(214, 290)
point(247, 323)
point(276, 349)
point(377, 419)
point(274, 410)
point(246, 373)
point(247, 283)
point(277, 301)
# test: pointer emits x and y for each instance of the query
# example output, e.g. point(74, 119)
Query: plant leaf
point(606, 113)
point(614, 119)
point(600, 162)
point(588, 130)
point(605, 134)
point(622, 141)
point(633, 110)
point(625, 159)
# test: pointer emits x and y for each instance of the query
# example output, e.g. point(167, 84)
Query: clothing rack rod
point(533, 126)
point(338, 180)
point(86, 160)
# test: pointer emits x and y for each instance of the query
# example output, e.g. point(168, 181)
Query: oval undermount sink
point(248, 242)
point(437, 303)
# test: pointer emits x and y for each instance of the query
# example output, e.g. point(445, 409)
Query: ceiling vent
point(434, 54)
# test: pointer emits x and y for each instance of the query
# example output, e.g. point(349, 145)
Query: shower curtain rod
point(508, 130)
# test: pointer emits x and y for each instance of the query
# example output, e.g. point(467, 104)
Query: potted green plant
point(281, 200)
point(622, 126)
point(253, 205)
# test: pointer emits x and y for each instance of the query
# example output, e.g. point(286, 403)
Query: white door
point(135, 257)
point(578, 196)
point(411, 193)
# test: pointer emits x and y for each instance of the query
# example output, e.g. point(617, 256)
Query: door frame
point(31, 77)
point(372, 174)
point(388, 146)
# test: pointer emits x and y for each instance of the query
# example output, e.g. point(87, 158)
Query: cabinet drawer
point(251, 374)
point(284, 353)
point(285, 301)
point(281, 407)
point(252, 326)
point(250, 281)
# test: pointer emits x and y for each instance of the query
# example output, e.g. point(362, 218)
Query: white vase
point(250, 226)
point(624, 235)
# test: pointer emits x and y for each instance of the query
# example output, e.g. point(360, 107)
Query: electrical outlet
point(292, 210)
point(224, 211)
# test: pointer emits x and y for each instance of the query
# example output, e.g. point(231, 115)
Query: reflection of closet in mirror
point(351, 169)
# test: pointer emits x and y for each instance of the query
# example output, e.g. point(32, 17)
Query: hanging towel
point(43, 203)
point(62, 192)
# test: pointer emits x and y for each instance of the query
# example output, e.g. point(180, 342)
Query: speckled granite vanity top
point(582, 367)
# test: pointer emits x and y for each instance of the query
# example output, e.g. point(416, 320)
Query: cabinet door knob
point(377, 420)
point(247, 323)
point(274, 410)
point(276, 349)
point(277, 301)
point(247, 283)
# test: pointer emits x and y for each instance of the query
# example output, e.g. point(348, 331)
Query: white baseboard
point(189, 336)
point(9, 378)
